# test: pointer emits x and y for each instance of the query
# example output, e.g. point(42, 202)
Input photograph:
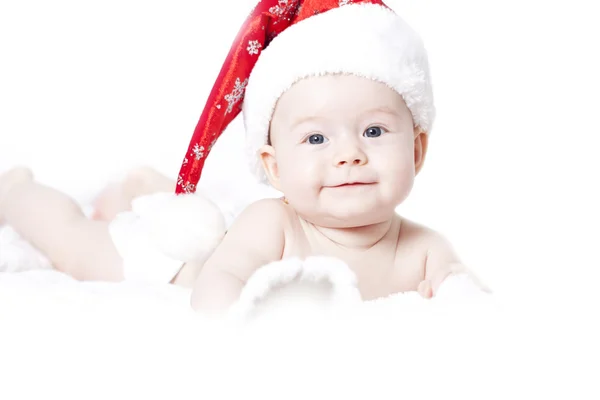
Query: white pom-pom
point(186, 227)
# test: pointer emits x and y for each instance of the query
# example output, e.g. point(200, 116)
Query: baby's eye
point(374, 131)
point(316, 138)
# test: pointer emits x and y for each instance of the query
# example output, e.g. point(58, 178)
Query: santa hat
point(283, 41)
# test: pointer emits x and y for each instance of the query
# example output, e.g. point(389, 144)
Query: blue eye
point(373, 132)
point(317, 138)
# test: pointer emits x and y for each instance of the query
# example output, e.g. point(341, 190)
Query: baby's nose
point(352, 156)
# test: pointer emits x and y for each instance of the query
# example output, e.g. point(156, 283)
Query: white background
point(89, 89)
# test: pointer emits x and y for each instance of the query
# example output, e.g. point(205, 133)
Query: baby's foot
point(9, 180)
point(116, 197)
point(110, 201)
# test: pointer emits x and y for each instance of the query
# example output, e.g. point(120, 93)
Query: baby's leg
point(117, 197)
point(55, 224)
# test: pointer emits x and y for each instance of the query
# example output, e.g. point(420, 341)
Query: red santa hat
point(283, 41)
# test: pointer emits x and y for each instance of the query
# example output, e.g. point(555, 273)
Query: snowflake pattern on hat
point(284, 8)
point(253, 47)
point(186, 187)
point(198, 151)
point(236, 95)
point(213, 142)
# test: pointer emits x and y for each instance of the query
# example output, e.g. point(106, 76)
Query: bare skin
point(396, 256)
point(117, 196)
point(55, 224)
point(76, 245)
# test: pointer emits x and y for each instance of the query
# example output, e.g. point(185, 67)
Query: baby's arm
point(256, 238)
point(442, 261)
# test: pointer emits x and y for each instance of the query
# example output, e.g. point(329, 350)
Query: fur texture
point(295, 289)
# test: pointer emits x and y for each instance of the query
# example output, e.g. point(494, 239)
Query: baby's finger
point(424, 289)
point(438, 278)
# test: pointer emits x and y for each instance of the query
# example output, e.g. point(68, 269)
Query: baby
point(338, 110)
point(344, 162)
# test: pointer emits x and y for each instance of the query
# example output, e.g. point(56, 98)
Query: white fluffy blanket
point(297, 334)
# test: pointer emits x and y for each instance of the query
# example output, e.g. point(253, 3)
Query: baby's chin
point(345, 218)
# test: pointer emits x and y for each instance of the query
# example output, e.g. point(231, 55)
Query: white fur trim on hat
point(361, 39)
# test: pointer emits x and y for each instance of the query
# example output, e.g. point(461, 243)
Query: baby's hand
point(429, 287)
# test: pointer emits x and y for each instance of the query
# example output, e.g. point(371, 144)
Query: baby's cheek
point(307, 175)
point(398, 184)
point(299, 183)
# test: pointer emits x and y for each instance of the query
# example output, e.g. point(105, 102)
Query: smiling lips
point(352, 184)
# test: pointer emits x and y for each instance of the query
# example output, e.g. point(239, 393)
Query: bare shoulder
point(431, 246)
point(421, 235)
point(260, 222)
point(271, 210)
point(255, 238)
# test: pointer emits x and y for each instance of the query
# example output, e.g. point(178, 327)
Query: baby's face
point(342, 150)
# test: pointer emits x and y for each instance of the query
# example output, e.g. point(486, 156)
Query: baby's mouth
point(352, 184)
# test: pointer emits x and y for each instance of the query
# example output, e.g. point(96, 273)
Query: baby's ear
point(421, 142)
point(269, 163)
